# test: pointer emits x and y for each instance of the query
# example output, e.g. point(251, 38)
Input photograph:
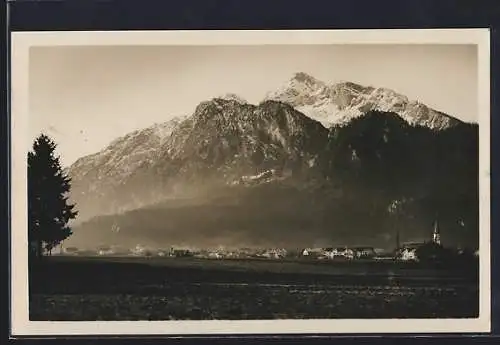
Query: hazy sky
point(84, 97)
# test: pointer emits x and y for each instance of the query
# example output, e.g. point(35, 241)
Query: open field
point(75, 288)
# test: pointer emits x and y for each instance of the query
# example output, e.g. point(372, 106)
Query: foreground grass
point(165, 289)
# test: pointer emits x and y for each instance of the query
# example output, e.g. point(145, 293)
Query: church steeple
point(436, 238)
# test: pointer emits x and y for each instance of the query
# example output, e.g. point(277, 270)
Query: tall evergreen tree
point(48, 208)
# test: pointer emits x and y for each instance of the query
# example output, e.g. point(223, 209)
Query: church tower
point(436, 238)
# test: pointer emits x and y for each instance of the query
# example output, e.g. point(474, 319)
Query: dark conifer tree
point(48, 208)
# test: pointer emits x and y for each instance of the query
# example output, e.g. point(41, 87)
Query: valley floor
point(75, 288)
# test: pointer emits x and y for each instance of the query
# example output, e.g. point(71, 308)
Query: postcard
point(250, 182)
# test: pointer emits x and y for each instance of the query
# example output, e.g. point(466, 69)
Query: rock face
point(97, 178)
point(222, 141)
point(235, 173)
point(337, 104)
point(224, 138)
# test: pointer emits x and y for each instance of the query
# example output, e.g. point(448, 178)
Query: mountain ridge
point(274, 153)
point(222, 137)
point(337, 103)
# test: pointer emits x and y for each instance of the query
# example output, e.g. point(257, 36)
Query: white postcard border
point(21, 43)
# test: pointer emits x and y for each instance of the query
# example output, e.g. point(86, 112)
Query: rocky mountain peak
point(338, 103)
point(226, 138)
point(233, 97)
point(301, 77)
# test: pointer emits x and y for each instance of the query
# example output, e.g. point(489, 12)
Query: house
point(340, 253)
point(327, 253)
point(274, 253)
point(305, 252)
point(215, 255)
point(408, 254)
point(245, 253)
point(347, 253)
point(71, 251)
point(364, 252)
point(138, 250)
point(105, 250)
point(408, 251)
point(312, 253)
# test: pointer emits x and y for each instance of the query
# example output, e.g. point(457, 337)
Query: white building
point(344, 252)
point(215, 255)
point(408, 254)
point(138, 250)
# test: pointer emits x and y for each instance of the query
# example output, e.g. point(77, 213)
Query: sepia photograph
point(201, 182)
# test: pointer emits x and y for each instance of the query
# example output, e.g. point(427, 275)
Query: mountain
point(97, 177)
point(376, 161)
point(337, 104)
point(239, 174)
point(224, 140)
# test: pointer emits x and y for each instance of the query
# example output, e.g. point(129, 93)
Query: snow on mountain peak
point(125, 154)
point(308, 95)
point(338, 103)
point(233, 97)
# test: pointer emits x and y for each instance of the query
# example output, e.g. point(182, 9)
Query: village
point(406, 252)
